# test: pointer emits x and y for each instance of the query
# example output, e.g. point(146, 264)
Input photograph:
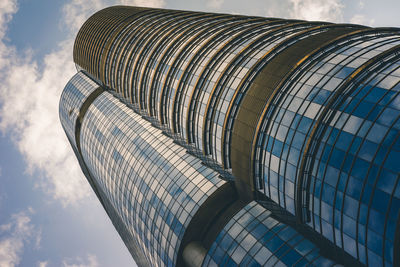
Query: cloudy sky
point(48, 214)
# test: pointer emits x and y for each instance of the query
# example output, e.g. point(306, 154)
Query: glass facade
point(186, 124)
point(152, 183)
point(145, 175)
point(254, 238)
point(73, 96)
point(350, 145)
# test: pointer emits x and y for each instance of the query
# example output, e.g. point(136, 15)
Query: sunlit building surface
point(224, 140)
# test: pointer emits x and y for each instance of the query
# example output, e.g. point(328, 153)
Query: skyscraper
point(216, 139)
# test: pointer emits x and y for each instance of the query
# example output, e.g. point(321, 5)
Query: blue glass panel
point(380, 200)
point(375, 94)
point(389, 251)
point(356, 143)
point(388, 116)
point(277, 148)
point(350, 206)
point(344, 141)
point(394, 208)
point(375, 242)
point(374, 259)
point(290, 258)
point(362, 110)
point(328, 194)
point(367, 150)
point(354, 187)
point(337, 158)
point(390, 229)
point(349, 226)
point(377, 132)
point(305, 124)
point(344, 72)
point(348, 162)
point(360, 168)
point(392, 162)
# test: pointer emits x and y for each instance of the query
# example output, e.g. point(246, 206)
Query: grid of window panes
point(289, 121)
point(127, 77)
point(74, 94)
point(91, 39)
point(355, 191)
point(230, 79)
point(248, 81)
point(129, 41)
point(171, 92)
point(211, 73)
point(254, 238)
point(174, 33)
point(127, 45)
point(117, 49)
point(181, 81)
point(131, 46)
point(340, 196)
point(145, 45)
point(151, 45)
point(196, 66)
point(164, 59)
point(155, 186)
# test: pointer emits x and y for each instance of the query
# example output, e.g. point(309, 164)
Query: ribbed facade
point(224, 139)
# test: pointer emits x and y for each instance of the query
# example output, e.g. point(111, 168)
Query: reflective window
point(254, 238)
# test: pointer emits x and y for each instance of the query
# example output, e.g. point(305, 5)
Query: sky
point(49, 215)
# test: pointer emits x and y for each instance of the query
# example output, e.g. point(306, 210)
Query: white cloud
point(324, 10)
point(278, 9)
point(42, 263)
point(91, 261)
point(361, 19)
point(14, 236)
point(7, 9)
point(29, 99)
point(358, 19)
point(214, 4)
point(144, 3)
point(313, 10)
point(29, 112)
point(77, 11)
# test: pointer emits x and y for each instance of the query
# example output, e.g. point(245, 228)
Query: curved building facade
point(225, 139)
